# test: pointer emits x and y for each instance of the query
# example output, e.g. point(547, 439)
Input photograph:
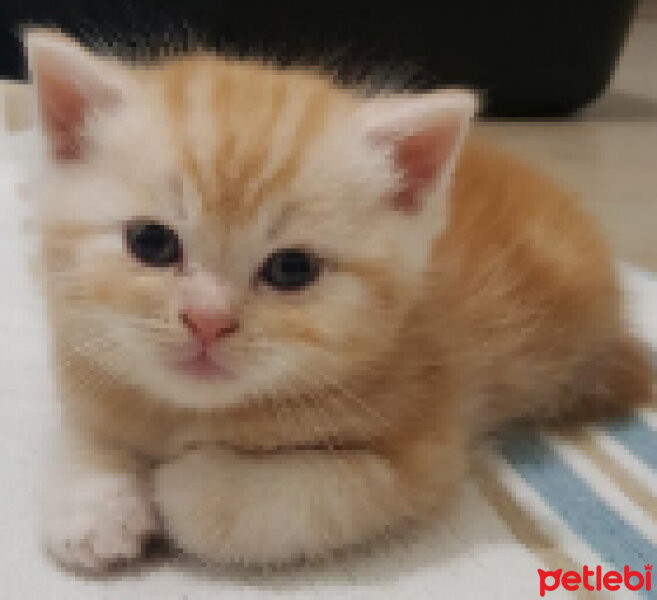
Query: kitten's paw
point(99, 523)
point(229, 508)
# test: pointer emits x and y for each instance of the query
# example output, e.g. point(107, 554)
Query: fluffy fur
point(446, 306)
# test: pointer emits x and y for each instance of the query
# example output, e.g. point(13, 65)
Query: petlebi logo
point(595, 579)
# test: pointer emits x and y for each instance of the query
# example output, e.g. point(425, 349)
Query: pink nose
point(208, 326)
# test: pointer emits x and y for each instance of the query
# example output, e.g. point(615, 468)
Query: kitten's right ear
point(71, 84)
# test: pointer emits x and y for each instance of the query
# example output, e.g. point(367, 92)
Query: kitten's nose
point(208, 326)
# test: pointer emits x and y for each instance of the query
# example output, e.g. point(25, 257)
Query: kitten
point(281, 310)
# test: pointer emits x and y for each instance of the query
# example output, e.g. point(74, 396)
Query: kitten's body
point(390, 364)
point(501, 313)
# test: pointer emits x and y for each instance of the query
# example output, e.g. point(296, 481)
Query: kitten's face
point(228, 232)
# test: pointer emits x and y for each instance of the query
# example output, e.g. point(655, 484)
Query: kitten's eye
point(153, 243)
point(290, 269)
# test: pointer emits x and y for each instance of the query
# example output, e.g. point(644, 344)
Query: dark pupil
point(153, 243)
point(290, 269)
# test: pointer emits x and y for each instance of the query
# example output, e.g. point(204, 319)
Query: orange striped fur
point(355, 398)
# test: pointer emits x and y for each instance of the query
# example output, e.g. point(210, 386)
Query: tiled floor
point(608, 154)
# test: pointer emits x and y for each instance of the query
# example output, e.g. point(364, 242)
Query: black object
point(532, 58)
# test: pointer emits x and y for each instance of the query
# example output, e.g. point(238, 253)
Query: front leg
point(97, 512)
point(236, 508)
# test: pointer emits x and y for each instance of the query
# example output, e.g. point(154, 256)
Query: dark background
point(532, 58)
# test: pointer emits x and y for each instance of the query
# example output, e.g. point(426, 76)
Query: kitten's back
point(530, 290)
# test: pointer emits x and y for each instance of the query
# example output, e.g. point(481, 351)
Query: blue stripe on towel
point(614, 540)
point(637, 437)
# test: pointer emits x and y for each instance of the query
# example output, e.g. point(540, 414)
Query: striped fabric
point(585, 499)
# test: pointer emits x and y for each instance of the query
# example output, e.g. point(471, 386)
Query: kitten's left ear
point(71, 84)
point(423, 135)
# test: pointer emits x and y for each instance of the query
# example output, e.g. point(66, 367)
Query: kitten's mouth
point(198, 362)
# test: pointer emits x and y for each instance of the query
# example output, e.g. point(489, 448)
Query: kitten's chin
point(200, 381)
point(196, 361)
point(195, 386)
point(220, 379)
point(202, 367)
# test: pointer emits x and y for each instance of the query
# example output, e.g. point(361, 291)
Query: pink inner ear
point(421, 156)
point(63, 109)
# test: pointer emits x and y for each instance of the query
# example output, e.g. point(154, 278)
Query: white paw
point(98, 523)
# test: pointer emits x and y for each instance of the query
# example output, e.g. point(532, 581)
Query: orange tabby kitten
point(281, 310)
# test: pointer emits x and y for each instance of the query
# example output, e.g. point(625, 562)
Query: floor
point(608, 153)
